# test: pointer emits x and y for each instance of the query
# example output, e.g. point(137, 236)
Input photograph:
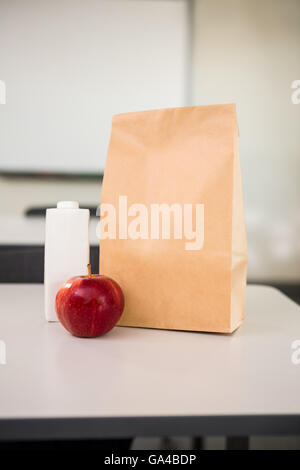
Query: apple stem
point(89, 270)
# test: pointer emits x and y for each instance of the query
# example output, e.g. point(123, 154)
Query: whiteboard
point(69, 65)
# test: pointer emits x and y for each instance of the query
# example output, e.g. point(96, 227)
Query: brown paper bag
point(172, 229)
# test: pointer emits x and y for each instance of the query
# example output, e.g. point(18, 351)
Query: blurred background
point(66, 66)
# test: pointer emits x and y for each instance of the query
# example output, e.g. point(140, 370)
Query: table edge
point(146, 426)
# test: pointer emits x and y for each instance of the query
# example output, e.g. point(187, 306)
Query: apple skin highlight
point(89, 306)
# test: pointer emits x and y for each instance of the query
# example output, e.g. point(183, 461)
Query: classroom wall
point(17, 194)
point(247, 51)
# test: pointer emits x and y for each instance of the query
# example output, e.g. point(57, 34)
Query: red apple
point(89, 306)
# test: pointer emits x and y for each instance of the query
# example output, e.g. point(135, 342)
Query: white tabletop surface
point(140, 373)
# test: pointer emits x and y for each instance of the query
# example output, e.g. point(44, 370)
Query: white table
point(139, 382)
